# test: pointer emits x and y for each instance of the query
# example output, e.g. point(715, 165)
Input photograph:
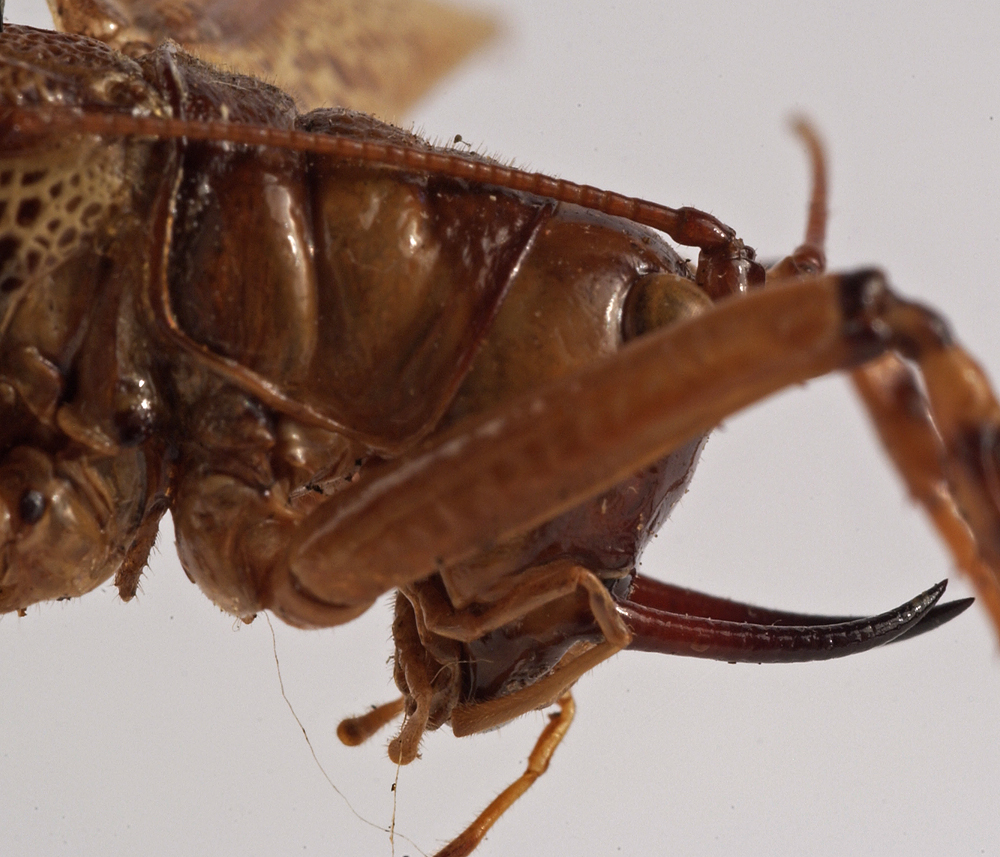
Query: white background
point(157, 727)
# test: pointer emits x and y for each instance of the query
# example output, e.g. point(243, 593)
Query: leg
point(427, 630)
point(483, 716)
point(504, 473)
point(902, 417)
point(353, 731)
point(902, 414)
point(428, 671)
point(534, 588)
point(470, 719)
point(429, 674)
point(538, 763)
point(500, 475)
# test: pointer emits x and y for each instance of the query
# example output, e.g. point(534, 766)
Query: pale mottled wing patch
point(50, 203)
point(377, 56)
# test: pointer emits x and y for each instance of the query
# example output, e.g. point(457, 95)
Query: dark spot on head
point(32, 506)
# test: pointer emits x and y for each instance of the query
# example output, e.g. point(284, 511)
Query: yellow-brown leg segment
point(924, 452)
point(900, 411)
point(535, 588)
point(353, 731)
point(497, 476)
point(426, 660)
point(470, 718)
point(538, 763)
point(427, 679)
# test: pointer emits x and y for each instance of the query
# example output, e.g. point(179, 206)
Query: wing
point(377, 56)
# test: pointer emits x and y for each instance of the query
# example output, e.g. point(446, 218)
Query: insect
point(874, 572)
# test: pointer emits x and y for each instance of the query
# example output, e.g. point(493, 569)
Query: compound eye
point(31, 506)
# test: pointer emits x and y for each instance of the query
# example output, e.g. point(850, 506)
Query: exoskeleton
point(350, 362)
